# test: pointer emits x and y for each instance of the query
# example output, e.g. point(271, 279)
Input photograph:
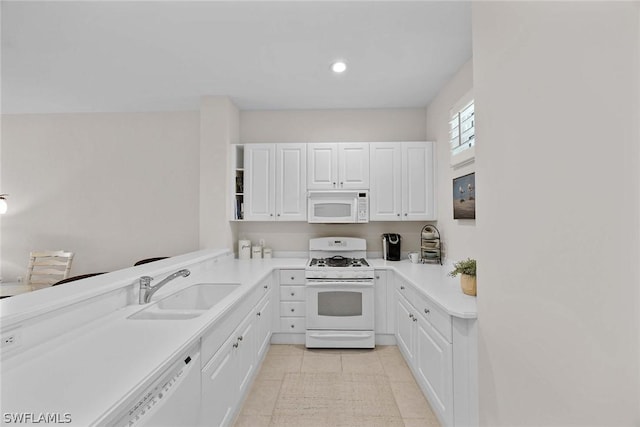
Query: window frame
point(460, 155)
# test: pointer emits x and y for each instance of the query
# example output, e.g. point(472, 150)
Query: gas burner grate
point(338, 261)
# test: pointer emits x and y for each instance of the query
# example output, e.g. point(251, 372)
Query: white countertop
point(432, 280)
point(92, 369)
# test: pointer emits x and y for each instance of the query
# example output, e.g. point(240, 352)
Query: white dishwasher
point(171, 400)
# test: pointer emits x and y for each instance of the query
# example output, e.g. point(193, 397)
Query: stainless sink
point(187, 303)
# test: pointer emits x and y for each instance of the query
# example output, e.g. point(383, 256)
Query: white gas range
point(339, 294)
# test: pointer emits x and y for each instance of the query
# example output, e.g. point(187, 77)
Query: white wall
point(113, 188)
point(556, 91)
point(219, 128)
point(459, 236)
point(327, 126)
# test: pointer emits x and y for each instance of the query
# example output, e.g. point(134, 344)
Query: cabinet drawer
point(292, 308)
point(440, 320)
point(291, 277)
point(291, 293)
point(294, 325)
point(403, 288)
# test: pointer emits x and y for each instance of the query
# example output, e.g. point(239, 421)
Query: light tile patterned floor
point(335, 387)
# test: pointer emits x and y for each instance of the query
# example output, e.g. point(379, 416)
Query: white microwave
point(338, 206)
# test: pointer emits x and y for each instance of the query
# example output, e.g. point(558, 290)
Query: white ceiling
point(153, 56)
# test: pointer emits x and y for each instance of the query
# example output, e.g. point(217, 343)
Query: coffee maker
point(391, 246)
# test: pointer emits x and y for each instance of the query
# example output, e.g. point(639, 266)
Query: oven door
point(340, 305)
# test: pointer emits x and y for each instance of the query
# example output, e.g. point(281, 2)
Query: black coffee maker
point(391, 246)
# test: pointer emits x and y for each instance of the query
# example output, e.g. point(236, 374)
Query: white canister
point(267, 253)
point(244, 249)
point(256, 252)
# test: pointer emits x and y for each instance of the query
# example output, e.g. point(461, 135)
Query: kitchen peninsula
point(84, 330)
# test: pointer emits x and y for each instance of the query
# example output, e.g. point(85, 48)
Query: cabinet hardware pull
point(292, 278)
point(415, 319)
point(235, 345)
point(377, 277)
point(402, 288)
point(293, 326)
point(240, 338)
point(266, 286)
point(341, 184)
point(334, 184)
point(427, 311)
point(270, 214)
point(293, 309)
point(278, 214)
point(398, 214)
point(410, 316)
point(293, 294)
point(258, 313)
point(406, 214)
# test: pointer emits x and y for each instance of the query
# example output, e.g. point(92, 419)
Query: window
point(462, 131)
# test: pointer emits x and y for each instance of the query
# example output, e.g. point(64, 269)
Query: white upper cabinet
point(402, 181)
point(338, 166)
point(275, 182)
point(385, 194)
point(353, 166)
point(259, 182)
point(418, 181)
point(291, 182)
point(322, 172)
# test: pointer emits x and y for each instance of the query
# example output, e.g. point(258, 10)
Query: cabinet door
point(259, 184)
point(322, 166)
point(385, 193)
point(219, 385)
point(246, 352)
point(353, 166)
point(381, 302)
point(434, 365)
point(291, 182)
point(263, 326)
point(404, 328)
point(418, 201)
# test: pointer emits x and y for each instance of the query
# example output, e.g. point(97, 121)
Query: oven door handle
point(339, 336)
point(338, 284)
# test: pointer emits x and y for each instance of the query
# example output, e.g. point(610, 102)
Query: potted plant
point(467, 271)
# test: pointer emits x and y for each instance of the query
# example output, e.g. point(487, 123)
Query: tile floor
point(335, 387)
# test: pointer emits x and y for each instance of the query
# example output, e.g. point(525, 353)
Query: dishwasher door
point(172, 400)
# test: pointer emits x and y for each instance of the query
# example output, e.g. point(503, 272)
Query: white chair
point(48, 267)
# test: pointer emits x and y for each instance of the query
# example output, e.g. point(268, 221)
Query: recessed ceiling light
point(338, 67)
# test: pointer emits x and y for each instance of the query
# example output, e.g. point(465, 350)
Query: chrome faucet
point(147, 291)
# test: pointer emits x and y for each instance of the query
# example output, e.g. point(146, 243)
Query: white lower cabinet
point(291, 313)
point(264, 314)
point(227, 375)
point(405, 334)
point(381, 310)
point(427, 352)
point(246, 353)
point(218, 401)
point(434, 367)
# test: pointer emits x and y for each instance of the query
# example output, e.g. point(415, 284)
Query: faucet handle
point(145, 280)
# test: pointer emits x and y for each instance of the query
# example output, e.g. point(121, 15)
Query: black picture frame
point(464, 196)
